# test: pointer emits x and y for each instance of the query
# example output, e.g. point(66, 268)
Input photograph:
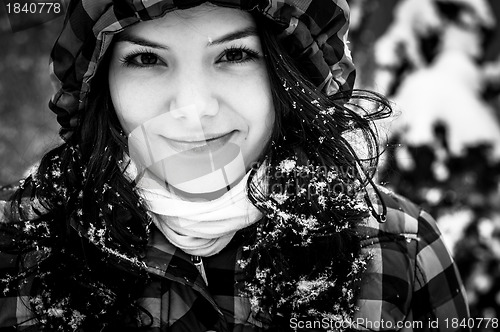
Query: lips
point(210, 143)
point(195, 159)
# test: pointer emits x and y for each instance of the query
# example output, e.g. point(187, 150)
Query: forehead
point(207, 19)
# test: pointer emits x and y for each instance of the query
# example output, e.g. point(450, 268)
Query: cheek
point(262, 110)
point(255, 99)
point(261, 127)
point(133, 102)
point(260, 116)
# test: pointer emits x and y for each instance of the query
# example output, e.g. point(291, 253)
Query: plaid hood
point(316, 31)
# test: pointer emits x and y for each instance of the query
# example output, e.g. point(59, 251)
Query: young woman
point(216, 176)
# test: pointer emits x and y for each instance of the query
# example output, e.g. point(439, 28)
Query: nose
point(193, 97)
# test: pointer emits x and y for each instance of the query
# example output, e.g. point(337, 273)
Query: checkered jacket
point(411, 283)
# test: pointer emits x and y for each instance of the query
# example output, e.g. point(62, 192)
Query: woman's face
point(191, 90)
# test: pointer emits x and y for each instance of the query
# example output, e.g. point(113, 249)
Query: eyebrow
point(137, 40)
point(126, 37)
point(240, 34)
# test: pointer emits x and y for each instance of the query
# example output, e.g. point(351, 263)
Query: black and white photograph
point(249, 165)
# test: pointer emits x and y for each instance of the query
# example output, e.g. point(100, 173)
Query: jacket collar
point(167, 261)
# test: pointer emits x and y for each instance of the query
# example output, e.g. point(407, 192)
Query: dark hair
point(310, 136)
point(87, 211)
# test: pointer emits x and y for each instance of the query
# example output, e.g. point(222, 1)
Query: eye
point(238, 55)
point(141, 59)
point(147, 59)
point(235, 55)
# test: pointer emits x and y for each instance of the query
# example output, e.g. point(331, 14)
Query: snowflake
point(286, 166)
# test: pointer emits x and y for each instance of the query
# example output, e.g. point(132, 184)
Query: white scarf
point(198, 228)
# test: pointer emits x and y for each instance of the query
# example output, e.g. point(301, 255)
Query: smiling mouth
point(199, 146)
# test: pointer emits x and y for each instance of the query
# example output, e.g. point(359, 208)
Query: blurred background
point(437, 60)
point(439, 63)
